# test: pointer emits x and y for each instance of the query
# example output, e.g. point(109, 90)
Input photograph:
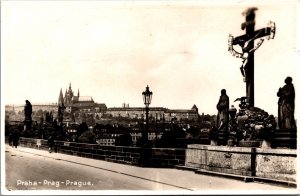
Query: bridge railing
point(154, 157)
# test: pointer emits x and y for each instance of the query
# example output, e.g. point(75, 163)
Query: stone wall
point(196, 156)
point(278, 164)
point(233, 160)
point(153, 157)
point(166, 157)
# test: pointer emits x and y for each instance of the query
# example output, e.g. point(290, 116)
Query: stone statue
point(286, 105)
point(232, 127)
point(223, 107)
point(28, 111)
point(243, 102)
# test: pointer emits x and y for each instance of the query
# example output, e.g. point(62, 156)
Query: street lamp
point(147, 96)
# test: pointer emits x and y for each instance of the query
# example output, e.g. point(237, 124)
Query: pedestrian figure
point(10, 138)
point(50, 143)
point(15, 139)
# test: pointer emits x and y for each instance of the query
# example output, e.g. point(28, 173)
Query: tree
point(82, 127)
point(87, 137)
point(124, 140)
point(83, 117)
point(90, 120)
point(169, 139)
point(7, 118)
point(39, 113)
point(139, 142)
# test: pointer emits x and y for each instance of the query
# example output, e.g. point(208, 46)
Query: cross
point(246, 42)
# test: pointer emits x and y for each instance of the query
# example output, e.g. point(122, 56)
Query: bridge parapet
point(156, 157)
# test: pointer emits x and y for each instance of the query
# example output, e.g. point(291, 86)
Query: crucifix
point(246, 42)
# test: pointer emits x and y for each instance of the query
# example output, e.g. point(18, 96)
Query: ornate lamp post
point(147, 96)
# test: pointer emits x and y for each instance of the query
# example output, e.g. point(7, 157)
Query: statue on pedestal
point(28, 113)
point(286, 135)
point(222, 118)
point(286, 105)
point(28, 110)
point(223, 107)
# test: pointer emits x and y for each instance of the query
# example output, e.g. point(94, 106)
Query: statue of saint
point(223, 107)
point(28, 110)
point(286, 105)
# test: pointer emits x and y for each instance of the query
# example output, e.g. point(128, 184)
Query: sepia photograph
point(149, 97)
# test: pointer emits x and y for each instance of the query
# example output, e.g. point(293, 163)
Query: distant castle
point(76, 105)
point(159, 113)
point(86, 104)
point(79, 103)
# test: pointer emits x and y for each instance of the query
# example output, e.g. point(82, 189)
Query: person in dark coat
point(10, 138)
point(15, 139)
point(50, 143)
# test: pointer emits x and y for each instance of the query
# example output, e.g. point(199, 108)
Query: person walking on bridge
point(15, 138)
point(50, 143)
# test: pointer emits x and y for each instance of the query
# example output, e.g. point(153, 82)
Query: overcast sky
point(112, 51)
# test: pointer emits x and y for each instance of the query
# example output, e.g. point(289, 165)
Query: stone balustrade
point(275, 164)
point(148, 157)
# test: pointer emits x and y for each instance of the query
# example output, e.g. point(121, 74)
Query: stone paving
point(180, 178)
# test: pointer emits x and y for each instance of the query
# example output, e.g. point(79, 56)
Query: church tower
point(65, 97)
point(68, 95)
point(60, 98)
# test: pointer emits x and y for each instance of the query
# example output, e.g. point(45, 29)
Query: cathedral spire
point(60, 98)
point(65, 98)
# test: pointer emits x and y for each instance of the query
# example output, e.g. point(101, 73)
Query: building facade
point(159, 113)
point(81, 104)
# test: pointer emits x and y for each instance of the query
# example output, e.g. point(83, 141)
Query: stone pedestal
point(27, 125)
point(284, 138)
point(222, 137)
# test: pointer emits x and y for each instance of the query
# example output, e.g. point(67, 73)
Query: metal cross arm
point(257, 34)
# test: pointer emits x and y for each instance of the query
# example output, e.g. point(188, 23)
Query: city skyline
point(113, 50)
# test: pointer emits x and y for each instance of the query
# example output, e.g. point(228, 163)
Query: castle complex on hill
point(76, 104)
point(80, 103)
point(87, 105)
